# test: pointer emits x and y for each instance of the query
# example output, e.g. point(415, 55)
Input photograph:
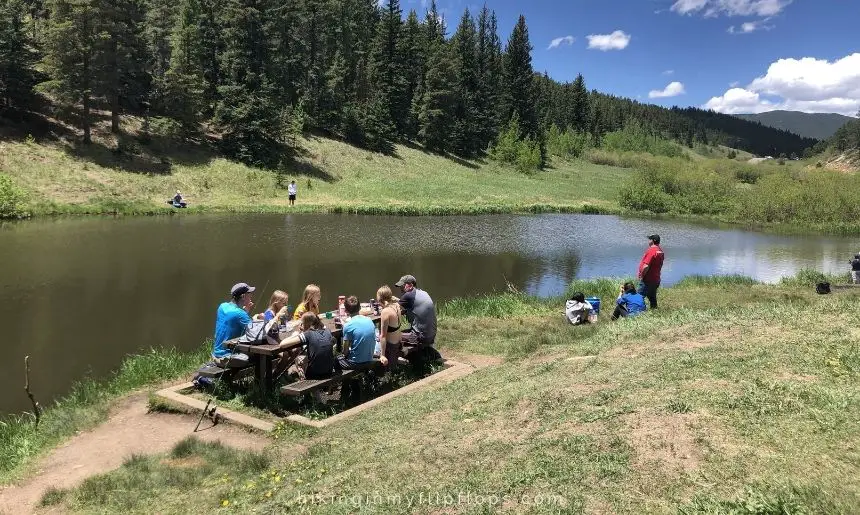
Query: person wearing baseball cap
point(421, 314)
point(649, 270)
point(231, 320)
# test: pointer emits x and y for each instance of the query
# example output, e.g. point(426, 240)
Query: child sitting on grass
point(577, 310)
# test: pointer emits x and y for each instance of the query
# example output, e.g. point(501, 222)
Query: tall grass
point(764, 193)
point(87, 404)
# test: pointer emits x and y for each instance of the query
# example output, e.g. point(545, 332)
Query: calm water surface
point(79, 294)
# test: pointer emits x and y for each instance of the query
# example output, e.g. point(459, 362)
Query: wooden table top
point(275, 350)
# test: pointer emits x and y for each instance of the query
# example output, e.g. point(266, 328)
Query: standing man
point(855, 269)
point(421, 314)
point(230, 322)
point(291, 190)
point(649, 270)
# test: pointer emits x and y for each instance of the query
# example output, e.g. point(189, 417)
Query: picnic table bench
point(309, 385)
point(263, 356)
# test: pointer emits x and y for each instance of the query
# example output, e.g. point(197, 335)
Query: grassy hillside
point(731, 398)
point(331, 175)
point(811, 125)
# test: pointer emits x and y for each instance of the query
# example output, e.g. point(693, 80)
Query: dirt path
point(129, 430)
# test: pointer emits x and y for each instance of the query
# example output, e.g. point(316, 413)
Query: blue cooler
point(595, 303)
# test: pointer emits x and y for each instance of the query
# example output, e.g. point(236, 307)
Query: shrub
point(567, 144)
point(506, 149)
point(12, 199)
point(633, 138)
point(528, 156)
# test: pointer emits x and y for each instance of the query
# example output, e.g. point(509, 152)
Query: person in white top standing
point(291, 190)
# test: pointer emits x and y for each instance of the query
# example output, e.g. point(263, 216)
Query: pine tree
point(71, 46)
point(213, 45)
point(251, 123)
point(412, 49)
point(434, 26)
point(579, 108)
point(284, 22)
point(17, 56)
point(465, 129)
point(387, 67)
point(488, 71)
point(121, 77)
point(184, 81)
point(159, 25)
point(439, 101)
point(519, 82)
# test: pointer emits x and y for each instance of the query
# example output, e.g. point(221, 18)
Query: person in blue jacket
point(629, 303)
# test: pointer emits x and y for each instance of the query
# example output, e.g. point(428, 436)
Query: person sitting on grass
point(318, 360)
point(629, 303)
point(577, 309)
point(359, 337)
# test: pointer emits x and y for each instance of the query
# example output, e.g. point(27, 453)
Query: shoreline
point(43, 212)
point(90, 400)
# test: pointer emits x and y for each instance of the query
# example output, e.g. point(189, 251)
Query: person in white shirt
point(577, 309)
point(291, 190)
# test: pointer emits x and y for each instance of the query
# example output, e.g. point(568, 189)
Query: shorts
point(292, 197)
point(238, 360)
point(392, 353)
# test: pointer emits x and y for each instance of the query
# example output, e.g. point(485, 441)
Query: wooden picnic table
point(264, 355)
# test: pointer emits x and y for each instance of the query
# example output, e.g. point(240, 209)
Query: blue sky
point(793, 54)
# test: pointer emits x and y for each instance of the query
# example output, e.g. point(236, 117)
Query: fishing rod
point(213, 412)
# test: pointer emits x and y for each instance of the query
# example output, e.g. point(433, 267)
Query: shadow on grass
point(370, 385)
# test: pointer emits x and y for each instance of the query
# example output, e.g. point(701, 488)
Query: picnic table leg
point(264, 372)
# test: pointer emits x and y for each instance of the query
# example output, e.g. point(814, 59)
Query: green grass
point(731, 398)
point(332, 177)
point(734, 397)
point(21, 441)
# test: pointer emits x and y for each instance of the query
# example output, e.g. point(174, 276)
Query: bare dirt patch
point(476, 360)
point(667, 439)
point(129, 430)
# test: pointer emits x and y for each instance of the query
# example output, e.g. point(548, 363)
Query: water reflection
point(79, 294)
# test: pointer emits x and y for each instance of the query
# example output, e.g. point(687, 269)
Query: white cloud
point(711, 8)
point(618, 40)
point(669, 72)
point(734, 84)
point(808, 84)
point(673, 89)
point(557, 42)
point(750, 26)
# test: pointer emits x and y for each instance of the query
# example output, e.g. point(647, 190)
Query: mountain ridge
point(820, 126)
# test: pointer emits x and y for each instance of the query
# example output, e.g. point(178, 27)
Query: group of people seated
point(631, 300)
point(629, 303)
point(308, 343)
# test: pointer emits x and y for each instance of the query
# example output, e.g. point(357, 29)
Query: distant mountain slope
point(810, 125)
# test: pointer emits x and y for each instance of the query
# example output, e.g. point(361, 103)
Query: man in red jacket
point(649, 270)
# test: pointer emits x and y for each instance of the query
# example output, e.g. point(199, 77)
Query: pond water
point(80, 294)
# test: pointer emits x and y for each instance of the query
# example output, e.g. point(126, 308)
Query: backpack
point(822, 288)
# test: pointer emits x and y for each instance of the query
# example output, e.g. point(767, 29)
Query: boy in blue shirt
point(359, 337)
point(230, 322)
point(629, 303)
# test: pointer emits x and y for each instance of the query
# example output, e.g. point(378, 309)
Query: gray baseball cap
point(406, 279)
point(241, 289)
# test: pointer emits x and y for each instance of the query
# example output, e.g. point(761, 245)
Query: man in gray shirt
point(420, 312)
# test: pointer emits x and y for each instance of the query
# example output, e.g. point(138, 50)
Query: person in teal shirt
point(230, 322)
point(359, 337)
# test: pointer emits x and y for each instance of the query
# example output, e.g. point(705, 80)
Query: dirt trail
point(129, 430)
